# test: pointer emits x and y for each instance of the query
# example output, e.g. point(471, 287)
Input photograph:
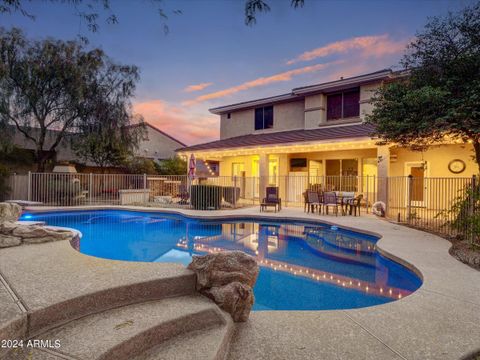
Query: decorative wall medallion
point(457, 166)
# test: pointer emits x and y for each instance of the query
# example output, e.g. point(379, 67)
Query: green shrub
point(465, 214)
point(206, 197)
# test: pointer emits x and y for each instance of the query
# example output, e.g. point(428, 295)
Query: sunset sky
point(211, 58)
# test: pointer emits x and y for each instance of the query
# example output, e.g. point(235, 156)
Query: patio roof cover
point(287, 137)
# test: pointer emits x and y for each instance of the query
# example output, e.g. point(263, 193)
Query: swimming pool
point(303, 266)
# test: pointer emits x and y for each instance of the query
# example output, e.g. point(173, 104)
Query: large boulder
point(8, 240)
point(235, 298)
point(7, 227)
point(10, 212)
point(227, 278)
point(13, 233)
point(32, 234)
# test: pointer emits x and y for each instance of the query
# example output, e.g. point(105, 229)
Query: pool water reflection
point(304, 266)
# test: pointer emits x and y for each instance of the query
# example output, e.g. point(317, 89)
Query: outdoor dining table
point(342, 200)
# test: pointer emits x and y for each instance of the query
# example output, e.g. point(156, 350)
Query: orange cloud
point(197, 87)
point(370, 46)
point(262, 81)
point(187, 126)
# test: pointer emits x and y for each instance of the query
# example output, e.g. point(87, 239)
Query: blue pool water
point(304, 266)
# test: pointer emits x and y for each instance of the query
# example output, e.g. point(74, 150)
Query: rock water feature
point(13, 233)
point(228, 279)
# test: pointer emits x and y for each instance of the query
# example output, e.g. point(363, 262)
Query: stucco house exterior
point(316, 135)
point(155, 145)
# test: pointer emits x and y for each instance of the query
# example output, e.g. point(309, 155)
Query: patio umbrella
point(191, 167)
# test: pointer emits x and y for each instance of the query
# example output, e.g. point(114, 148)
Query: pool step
point(206, 344)
point(142, 330)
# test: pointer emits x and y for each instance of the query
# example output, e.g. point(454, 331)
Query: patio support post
point(383, 169)
point(366, 183)
point(235, 191)
point(263, 175)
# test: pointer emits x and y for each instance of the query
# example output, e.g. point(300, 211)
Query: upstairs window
point(345, 104)
point(264, 118)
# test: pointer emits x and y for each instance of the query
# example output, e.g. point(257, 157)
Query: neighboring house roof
point(287, 137)
point(300, 92)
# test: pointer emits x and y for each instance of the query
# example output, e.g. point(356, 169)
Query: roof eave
point(249, 104)
point(303, 143)
point(342, 83)
point(300, 92)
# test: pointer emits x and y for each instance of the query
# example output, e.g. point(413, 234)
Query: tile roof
point(287, 137)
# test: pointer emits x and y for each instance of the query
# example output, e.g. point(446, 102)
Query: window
point(264, 118)
point(229, 115)
point(343, 105)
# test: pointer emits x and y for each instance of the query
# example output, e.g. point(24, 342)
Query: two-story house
point(317, 135)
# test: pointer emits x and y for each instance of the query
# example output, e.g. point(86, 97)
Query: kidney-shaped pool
point(304, 266)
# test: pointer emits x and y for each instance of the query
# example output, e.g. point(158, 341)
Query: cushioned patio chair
point(330, 200)
point(313, 201)
point(272, 199)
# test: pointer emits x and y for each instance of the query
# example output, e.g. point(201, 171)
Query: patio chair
point(330, 200)
point(313, 200)
point(272, 199)
point(306, 207)
point(354, 204)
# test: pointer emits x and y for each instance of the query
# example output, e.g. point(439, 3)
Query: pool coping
point(453, 289)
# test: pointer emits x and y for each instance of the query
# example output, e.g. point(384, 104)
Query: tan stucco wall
point(157, 146)
point(366, 93)
point(286, 116)
point(315, 111)
point(308, 113)
point(437, 158)
point(240, 123)
point(284, 160)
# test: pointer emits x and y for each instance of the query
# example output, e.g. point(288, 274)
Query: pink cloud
point(197, 87)
point(369, 46)
point(186, 126)
point(262, 81)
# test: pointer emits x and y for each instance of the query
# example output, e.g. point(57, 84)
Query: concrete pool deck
point(441, 320)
